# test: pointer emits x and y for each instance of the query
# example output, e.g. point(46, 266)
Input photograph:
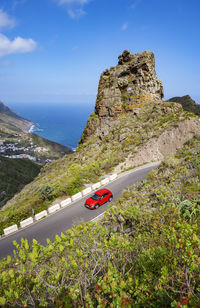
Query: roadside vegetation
point(93, 159)
point(143, 253)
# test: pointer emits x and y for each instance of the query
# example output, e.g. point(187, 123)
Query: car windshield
point(95, 197)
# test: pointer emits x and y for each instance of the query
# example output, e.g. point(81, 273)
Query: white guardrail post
point(53, 208)
point(77, 196)
point(113, 177)
point(66, 202)
point(10, 229)
point(41, 215)
point(86, 191)
point(105, 181)
point(26, 222)
point(96, 185)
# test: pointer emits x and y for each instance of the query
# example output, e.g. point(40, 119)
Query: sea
point(62, 123)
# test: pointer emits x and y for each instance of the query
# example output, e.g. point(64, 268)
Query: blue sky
point(55, 50)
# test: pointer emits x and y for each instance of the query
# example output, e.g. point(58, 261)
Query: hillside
point(187, 103)
point(131, 125)
point(22, 153)
point(17, 142)
point(144, 253)
point(14, 175)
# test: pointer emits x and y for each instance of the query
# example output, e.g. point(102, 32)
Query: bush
point(45, 192)
point(74, 185)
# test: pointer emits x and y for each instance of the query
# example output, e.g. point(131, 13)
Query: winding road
point(74, 214)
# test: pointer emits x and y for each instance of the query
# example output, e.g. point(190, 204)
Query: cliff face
point(129, 83)
point(124, 88)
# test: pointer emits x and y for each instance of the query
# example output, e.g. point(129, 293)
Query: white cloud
point(18, 45)
point(74, 7)
point(124, 26)
point(76, 13)
point(6, 21)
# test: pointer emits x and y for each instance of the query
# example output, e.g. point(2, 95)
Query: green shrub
point(74, 185)
point(45, 192)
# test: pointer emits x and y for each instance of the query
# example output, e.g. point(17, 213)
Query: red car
point(100, 197)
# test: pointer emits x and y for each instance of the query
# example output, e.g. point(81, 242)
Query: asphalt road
point(72, 215)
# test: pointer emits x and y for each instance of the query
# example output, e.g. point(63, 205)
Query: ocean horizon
point(61, 123)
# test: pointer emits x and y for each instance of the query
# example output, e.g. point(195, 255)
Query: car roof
point(102, 191)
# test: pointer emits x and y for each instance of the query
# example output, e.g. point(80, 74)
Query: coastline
point(31, 129)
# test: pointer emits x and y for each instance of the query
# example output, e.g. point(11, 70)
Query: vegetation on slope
point(187, 103)
point(10, 121)
point(144, 253)
point(55, 149)
point(93, 159)
point(14, 175)
point(14, 131)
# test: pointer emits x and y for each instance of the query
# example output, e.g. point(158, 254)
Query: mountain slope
point(131, 125)
point(187, 103)
point(10, 122)
point(33, 151)
point(14, 175)
point(144, 253)
point(17, 142)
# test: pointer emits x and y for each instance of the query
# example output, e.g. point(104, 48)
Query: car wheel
point(96, 206)
point(110, 199)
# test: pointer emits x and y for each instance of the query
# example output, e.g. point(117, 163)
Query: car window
point(95, 197)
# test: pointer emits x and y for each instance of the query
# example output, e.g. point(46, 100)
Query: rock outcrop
point(128, 84)
point(124, 88)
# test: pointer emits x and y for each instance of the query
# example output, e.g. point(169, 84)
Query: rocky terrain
point(131, 125)
point(124, 88)
point(131, 90)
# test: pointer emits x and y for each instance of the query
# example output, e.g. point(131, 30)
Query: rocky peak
point(124, 87)
point(124, 57)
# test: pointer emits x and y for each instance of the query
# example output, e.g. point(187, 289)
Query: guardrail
point(66, 202)
point(26, 222)
point(96, 185)
point(56, 207)
point(53, 208)
point(10, 229)
point(41, 215)
point(77, 196)
point(87, 191)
